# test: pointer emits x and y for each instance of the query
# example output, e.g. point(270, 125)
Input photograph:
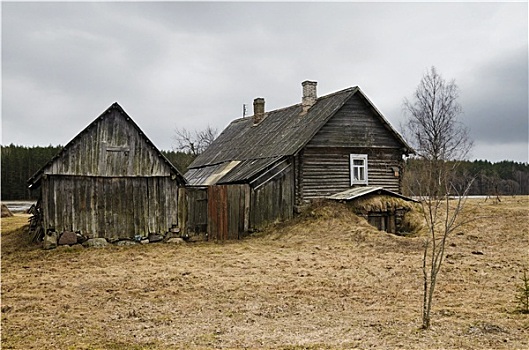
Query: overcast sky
point(194, 64)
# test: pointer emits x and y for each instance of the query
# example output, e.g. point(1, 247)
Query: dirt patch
point(324, 280)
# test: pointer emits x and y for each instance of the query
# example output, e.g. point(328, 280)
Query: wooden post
point(247, 193)
point(182, 210)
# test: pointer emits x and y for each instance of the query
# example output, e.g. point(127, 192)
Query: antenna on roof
point(244, 110)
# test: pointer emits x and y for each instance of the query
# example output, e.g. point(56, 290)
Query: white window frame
point(362, 169)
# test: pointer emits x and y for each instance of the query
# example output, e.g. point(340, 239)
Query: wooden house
point(263, 168)
point(110, 181)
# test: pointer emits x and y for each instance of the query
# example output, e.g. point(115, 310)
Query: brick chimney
point(258, 110)
point(309, 94)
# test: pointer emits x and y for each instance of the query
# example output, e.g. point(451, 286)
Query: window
point(358, 169)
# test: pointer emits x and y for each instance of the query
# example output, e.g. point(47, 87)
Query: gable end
point(112, 145)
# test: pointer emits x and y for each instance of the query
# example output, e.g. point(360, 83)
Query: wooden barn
point(110, 181)
point(265, 167)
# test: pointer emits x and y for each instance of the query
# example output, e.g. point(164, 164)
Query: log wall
point(324, 164)
point(328, 173)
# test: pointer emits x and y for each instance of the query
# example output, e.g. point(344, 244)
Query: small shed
point(382, 208)
point(109, 181)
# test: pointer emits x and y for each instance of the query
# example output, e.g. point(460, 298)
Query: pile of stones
point(54, 240)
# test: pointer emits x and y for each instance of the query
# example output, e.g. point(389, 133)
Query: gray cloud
point(496, 100)
point(190, 64)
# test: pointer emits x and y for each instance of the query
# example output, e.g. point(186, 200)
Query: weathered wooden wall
point(355, 125)
point(273, 200)
point(110, 147)
point(217, 212)
point(110, 207)
point(193, 212)
point(110, 181)
point(323, 167)
point(228, 209)
point(326, 173)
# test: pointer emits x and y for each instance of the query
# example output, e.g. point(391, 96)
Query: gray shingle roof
point(282, 132)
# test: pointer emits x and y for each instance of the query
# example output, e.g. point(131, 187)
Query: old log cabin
point(262, 168)
point(110, 181)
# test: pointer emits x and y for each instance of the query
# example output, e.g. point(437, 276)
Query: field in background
point(325, 280)
point(19, 206)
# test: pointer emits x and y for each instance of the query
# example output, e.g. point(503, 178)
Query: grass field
point(324, 281)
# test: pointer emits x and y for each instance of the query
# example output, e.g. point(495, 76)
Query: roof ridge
point(349, 89)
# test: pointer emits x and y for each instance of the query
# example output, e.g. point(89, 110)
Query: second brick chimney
point(258, 110)
point(309, 94)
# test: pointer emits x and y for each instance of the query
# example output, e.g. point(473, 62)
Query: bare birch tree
point(440, 141)
point(433, 126)
point(194, 142)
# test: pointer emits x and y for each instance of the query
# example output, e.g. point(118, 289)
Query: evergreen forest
point(485, 178)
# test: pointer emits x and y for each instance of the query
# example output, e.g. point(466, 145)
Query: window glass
point(358, 169)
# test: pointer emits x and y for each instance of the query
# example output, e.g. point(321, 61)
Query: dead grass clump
point(322, 220)
point(329, 220)
point(6, 213)
point(380, 203)
point(523, 294)
point(412, 221)
point(15, 235)
point(334, 217)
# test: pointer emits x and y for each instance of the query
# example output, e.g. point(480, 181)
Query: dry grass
point(380, 203)
point(327, 280)
point(413, 218)
point(6, 213)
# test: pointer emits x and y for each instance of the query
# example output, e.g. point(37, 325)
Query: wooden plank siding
point(110, 147)
point(273, 200)
point(227, 211)
point(110, 182)
point(217, 213)
point(193, 211)
point(326, 173)
point(355, 125)
point(355, 129)
point(110, 207)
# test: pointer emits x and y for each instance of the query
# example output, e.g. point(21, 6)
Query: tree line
point(19, 163)
point(490, 179)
